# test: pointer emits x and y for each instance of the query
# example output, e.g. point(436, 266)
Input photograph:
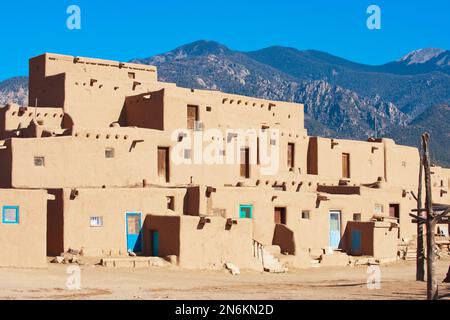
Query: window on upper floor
point(306, 214)
point(109, 153)
point(39, 161)
point(379, 209)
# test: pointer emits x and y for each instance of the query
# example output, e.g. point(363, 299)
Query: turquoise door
point(155, 243)
point(356, 242)
point(134, 234)
point(335, 229)
point(245, 211)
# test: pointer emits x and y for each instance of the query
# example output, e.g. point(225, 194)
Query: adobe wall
point(385, 241)
point(23, 245)
point(212, 244)
point(400, 196)
point(402, 164)
point(112, 205)
point(91, 91)
point(80, 161)
point(378, 239)
point(367, 237)
point(366, 159)
point(228, 200)
point(168, 228)
point(398, 165)
point(440, 180)
point(221, 110)
point(135, 151)
point(14, 117)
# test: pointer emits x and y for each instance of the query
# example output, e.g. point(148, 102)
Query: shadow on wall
point(284, 237)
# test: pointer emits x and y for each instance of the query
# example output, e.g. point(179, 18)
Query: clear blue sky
point(122, 30)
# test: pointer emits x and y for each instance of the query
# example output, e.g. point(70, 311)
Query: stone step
point(133, 262)
point(271, 263)
point(315, 263)
point(276, 270)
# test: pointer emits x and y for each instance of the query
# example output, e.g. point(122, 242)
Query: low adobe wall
point(22, 244)
point(204, 246)
point(378, 239)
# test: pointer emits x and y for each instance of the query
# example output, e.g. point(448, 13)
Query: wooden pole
point(432, 286)
point(420, 260)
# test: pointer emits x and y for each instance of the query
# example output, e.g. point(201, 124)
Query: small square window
point(305, 215)
point(131, 75)
point(96, 221)
point(245, 211)
point(404, 164)
point(10, 215)
point(357, 217)
point(109, 153)
point(208, 109)
point(39, 161)
point(379, 208)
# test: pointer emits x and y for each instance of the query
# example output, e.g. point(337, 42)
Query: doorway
point(346, 165)
point(245, 163)
point(192, 116)
point(335, 229)
point(134, 234)
point(154, 243)
point(394, 212)
point(163, 164)
point(280, 215)
point(356, 242)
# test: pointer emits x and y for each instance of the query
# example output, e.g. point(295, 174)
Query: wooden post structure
point(420, 260)
point(432, 286)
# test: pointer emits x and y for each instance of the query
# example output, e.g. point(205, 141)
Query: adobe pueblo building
point(108, 160)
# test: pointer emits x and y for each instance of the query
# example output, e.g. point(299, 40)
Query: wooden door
point(291, 155)
point(192, 116)
point(245, 163)
point(394, 211)
point(345, 165)
point(163, 164)
point(280, 216)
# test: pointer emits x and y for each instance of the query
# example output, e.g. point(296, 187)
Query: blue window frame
point(10, 215)
point(246, 211)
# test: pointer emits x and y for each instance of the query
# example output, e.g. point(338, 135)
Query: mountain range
point(344, 99)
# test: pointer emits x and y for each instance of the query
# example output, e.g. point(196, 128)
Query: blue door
point(245, 211)
point(134, 234)
point(356, 242)
point(335, 229)
point(155, 243)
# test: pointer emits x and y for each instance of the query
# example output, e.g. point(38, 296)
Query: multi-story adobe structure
point(89, 165)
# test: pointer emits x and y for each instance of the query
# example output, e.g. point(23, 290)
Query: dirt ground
point(397, 282)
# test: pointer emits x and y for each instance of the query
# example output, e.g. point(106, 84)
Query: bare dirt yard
point(397, 282)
